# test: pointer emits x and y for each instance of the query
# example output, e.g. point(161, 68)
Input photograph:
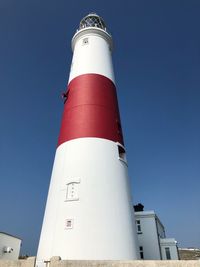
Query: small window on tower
point(68, 223)
point(72, 191)
point(141, 253)
point(121, 153)
point(138, 225)
point(85, 41)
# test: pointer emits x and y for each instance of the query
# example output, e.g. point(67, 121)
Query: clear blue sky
point(157, 68)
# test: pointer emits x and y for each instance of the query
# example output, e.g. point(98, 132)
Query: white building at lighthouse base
point(153, 244)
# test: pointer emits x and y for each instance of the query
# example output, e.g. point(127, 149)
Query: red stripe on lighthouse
point(91, 110)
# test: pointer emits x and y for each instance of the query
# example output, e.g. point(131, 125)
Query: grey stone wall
point(30, 262)
point(56, 262)
point(141, 263)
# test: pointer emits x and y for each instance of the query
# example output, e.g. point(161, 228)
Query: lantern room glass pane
point(92, 20)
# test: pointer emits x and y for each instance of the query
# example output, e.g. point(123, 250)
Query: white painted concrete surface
point(171, 244)
point(89, 211)
point(9, 246)
point(148, 237)
point(92, 54)
point(152, 238)
point(102, 225)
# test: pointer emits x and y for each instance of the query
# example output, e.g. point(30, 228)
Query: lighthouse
point(89, 214)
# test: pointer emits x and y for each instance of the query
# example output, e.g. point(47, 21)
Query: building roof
point(148, 213)
point(4, 233)
point(168, 241)
point(145, 212)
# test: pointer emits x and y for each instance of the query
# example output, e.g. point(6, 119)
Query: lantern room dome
point(92, 20)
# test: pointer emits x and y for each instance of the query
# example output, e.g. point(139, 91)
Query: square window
point(121, 153)
point(68, 223)
point(85, 41)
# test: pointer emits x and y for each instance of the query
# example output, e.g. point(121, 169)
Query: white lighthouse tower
point(89, 214)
